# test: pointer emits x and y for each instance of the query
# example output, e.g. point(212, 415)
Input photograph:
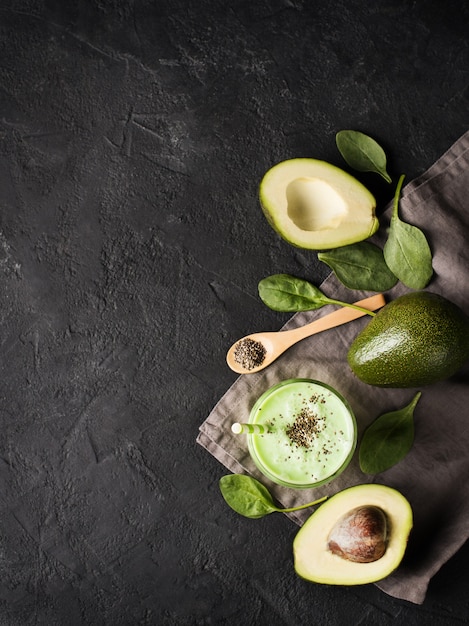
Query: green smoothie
point(311, 434)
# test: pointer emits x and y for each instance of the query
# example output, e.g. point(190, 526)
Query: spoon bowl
point(268, 346)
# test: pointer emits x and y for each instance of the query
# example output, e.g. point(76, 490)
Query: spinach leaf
point(250, 498)
point(362, 152)
point(388, 439)
point(283, 292)
point(360, 266)
point(286, 293)
point(246, 495)
point(406, 251)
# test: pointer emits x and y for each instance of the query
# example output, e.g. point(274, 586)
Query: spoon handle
point(336, 318)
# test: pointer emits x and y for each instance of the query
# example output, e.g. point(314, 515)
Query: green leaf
point(362, 152)
point(248, 497)
point(282, 292)
point(388, 439)
point(360, 266)
point(286, 293)
point(406, 251)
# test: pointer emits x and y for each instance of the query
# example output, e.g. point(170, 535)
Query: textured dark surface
point(133, 136)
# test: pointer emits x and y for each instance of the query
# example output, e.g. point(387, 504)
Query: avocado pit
point(360, 535)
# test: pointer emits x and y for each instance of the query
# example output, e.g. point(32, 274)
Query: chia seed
point(305, 428)
point(249, 353)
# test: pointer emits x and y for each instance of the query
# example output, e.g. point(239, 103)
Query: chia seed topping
point(249, 353)
point(305, 428)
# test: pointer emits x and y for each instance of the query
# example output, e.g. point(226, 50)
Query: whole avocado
point(417, 339)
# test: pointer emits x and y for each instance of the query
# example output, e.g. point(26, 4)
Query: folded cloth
point(433, 476)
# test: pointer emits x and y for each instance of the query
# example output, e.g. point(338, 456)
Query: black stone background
point(133, 136)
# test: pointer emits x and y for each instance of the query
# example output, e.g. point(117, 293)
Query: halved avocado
point(316, 556)
point(313, 204)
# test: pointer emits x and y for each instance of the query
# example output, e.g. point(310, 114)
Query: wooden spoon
point(275, 343)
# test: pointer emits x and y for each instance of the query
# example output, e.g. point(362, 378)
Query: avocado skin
point(417, 339)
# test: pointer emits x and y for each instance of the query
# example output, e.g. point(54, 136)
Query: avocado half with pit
point(313, 204)
point(356, 537)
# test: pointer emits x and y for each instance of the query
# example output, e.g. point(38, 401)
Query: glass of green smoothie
point(308, 433)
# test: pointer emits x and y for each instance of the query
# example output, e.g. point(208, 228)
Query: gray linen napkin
point(434, 475)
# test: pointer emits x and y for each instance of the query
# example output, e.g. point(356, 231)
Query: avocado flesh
point(418, 339)
point(315, 205)
point(314, 561)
